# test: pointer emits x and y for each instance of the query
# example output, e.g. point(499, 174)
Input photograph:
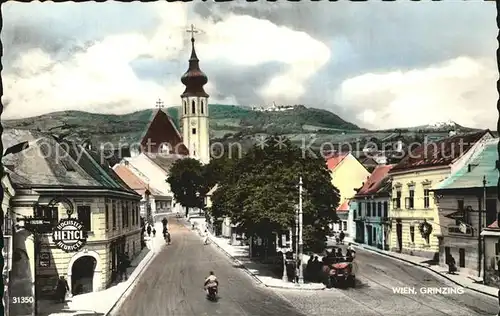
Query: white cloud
point(248, 41)
point(462, 89)
point(101, 75)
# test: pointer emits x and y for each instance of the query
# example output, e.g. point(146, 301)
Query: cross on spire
point(159, 104)
point(192, 31)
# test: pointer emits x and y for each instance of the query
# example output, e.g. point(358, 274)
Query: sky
point(376, 64)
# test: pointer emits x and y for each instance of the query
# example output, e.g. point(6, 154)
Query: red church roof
point(161, 130)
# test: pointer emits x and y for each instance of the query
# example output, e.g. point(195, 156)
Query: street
point(173, 284)
point(373, 295)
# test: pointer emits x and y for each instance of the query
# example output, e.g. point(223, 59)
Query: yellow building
point(415, 222)
point(50, 179)
point(348, 175)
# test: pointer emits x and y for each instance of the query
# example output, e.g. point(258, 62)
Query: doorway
point(369, 234)
point(461, 257)
point(399, 234)
point(82, 275)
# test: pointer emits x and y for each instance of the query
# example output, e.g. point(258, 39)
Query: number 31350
point(22, 300)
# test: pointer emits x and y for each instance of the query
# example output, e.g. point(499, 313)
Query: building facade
point(491, 263)
point(348, 174)
point(53, 182)
point(371, 209)
point(459, 199)
point(7, 227)
point(415, 227)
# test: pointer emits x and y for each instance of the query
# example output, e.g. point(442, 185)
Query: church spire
point(194, 79)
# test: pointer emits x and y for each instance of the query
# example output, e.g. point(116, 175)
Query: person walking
point(148, 230)
point(154, 232)
point(61, 289)
point(124, 264)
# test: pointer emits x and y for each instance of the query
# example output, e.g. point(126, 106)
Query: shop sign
point(44, 259)
point(69, 235)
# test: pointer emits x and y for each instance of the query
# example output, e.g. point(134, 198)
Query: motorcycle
point(212, 293)
point(166, 236)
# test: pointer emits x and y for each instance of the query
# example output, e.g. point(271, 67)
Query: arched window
point(193, 107)
point(164, 149)
point(185, 107)
point(202, 106)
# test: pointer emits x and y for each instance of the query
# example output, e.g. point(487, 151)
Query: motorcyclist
point(211, 281)
point(166, 234)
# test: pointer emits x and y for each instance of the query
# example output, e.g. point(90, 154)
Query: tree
point(187, 183)
point(260, 192)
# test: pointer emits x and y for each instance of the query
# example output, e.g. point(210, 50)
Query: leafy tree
point(260, 192)
point(187, 183)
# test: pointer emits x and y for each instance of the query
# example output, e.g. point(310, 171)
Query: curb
point(255, 277)
point(129, 287)
point(427, 268)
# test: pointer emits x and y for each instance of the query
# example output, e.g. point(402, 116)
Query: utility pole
point(479, 229)
point(483, 245)
point(301, 242)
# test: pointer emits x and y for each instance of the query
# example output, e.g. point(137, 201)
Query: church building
point(162, 144)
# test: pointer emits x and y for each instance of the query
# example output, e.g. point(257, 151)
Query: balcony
point(455, 230)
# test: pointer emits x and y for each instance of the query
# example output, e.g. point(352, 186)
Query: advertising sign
point(69, 235)
point(44, 259)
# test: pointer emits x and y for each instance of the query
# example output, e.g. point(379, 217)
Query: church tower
point(194, 109)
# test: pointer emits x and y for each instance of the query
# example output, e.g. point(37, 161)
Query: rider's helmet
point(211, 273)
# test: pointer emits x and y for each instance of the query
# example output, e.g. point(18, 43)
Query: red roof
point(376, 181)
point(335, 160)
point(161, 130)
point(344, 207)
point(440, 153)
point(132, 180)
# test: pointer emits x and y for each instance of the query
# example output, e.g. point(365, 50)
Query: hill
point(224, 120)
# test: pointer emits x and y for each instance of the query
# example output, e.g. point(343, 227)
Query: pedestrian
point(341, 237)
point(61, 289)
point(164, 221)
point(452, 268)
point(124, 264)
point(148, 230)
point(154, 232)
point(309, 267)
point(205, 239)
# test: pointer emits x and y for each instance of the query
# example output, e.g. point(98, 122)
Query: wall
point(492, 271)
point(348, 176)
point(424, 178)
point(447, 204)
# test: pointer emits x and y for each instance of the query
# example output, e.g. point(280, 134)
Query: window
point(426, 198)
point(185, 108)
point(124, 214)
point(379, 209)
point(368, 209)
point(137, 216)
point(412, 234)
point(344, 226)
point(114, 214)
point(374, 233)
point(84, 215)
point(374, 209)
point(106, 215)
point(202, 106)
point(133, 213)
point(396, 202)
point(194, 131)
point(409, 201)
point(384, 210)
point(193, 107)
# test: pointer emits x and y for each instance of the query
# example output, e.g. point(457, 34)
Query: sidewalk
point(103, 302)
point(260, 272)
point(463, 278)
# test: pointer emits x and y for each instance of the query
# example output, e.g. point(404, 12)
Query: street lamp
point(301, 242)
